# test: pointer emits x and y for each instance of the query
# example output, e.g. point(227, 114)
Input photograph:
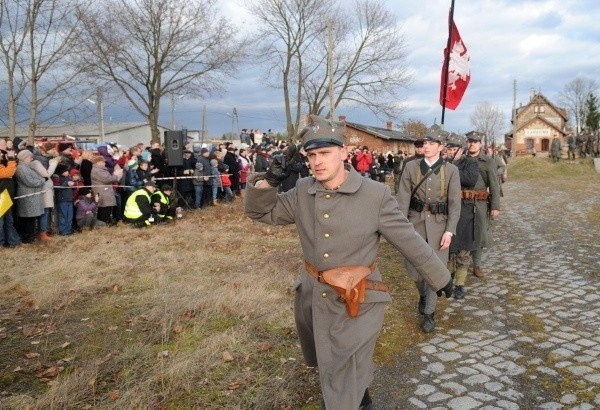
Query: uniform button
point(324, 294)
point(326, 216)
point(326, 235)
point(327, 196)
point(326, 255)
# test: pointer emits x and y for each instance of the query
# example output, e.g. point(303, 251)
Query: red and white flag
point(459, 71)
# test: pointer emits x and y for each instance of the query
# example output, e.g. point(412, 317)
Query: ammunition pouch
point(416, 204)
point(434, 208)
point(438, 208)
point(477, 195)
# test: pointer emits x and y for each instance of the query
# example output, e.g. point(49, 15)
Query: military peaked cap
point(320, 132)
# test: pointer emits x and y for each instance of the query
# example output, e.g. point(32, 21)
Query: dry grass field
point(197, 313)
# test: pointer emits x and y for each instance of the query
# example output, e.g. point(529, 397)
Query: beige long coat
point(339, 228)
point(430, 227)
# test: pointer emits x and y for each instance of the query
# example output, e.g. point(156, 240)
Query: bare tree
point(367, 66)
point(489, 120)
point(51, 27)
point(369, 62)
point(13, 35)
point(574, 97)
point(415, 128)
point(287, 30)
point(151, 48)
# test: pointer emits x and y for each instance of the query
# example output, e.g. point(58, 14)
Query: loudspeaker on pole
point(174, 146)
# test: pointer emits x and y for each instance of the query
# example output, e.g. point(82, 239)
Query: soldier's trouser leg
point(462, 259)
point(304, 322)
point(429, 294)
point(477, 255)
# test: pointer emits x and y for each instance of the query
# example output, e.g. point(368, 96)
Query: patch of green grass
point(542, 168)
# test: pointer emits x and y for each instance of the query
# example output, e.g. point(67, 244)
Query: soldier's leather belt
point(478, 195)
point(354, 296)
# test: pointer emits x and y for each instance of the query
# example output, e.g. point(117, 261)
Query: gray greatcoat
point(29, 182)
point(430, 227)
point(102, 181)
point(487, 181)
point(46, 172)
point(339, 228)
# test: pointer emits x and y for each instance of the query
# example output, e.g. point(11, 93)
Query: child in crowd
point(87, 209)
point(132, 177)
point(64, 200)
point(215, 179)
point(226, 183)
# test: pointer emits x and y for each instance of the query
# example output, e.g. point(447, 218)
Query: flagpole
point(447, 60)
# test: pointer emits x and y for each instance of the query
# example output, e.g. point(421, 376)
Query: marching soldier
point(429, 194)
point(339, 299)
point(486, 194)
point(463, 243)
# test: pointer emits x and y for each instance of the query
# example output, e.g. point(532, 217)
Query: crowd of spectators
point(56, 189)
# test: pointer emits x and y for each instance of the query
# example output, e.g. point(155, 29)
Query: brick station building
point(536, 125)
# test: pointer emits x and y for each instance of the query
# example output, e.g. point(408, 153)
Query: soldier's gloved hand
point(448, 290)
point(278, 171)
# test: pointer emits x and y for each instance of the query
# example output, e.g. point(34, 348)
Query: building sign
point(537, 132)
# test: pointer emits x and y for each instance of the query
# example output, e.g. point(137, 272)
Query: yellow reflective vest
point(132, 210)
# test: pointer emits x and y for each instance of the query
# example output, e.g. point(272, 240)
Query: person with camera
point(8, 167)
point(429, 194)
point(339, 297)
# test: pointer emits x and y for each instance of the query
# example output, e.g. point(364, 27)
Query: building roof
point(540, 98)
point(75, 130)
point(383, 133)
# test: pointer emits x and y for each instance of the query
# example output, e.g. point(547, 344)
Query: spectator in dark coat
point(234, 168)
point(185, 186)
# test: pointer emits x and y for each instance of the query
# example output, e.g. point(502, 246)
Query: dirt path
point(528, 334)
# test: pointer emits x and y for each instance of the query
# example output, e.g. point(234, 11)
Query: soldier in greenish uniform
point(429, 194)
point(340, 217)
point(463, 243)
point(486, 194)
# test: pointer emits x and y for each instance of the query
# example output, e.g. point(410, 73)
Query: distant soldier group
point(585, 144)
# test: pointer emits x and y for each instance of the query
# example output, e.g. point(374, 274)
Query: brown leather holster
point(477, 195)
point(352, 297)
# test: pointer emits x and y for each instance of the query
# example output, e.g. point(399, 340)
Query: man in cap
point(429, 194)
point(463, 243)
point(486, 194)
point(336, 332)
point(139, 209)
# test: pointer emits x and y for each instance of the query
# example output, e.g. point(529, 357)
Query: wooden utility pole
point(330, 66)
point(513, 142)
point(100, 108)
point(203, 132)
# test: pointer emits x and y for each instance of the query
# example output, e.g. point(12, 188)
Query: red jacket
point(363, 161)
point(225, 181)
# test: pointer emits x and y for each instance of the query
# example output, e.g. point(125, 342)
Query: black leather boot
point(422, 305)
point(459, 292)
point(428, 324)
point(366, 403)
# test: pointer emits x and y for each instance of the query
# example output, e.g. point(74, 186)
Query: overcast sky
point(543, 44)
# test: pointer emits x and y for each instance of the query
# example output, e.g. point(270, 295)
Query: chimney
point(389, 125)
point(342, 119)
